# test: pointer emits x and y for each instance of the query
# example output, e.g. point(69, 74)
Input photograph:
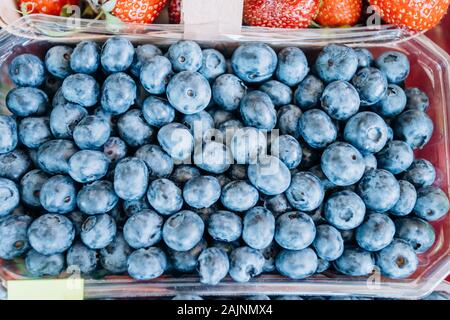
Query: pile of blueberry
point(133, 161)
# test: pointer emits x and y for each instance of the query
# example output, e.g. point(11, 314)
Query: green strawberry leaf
point(109, 5)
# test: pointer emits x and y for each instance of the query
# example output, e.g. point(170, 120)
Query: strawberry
point(175, 11)
point(280, 13)
point(416, 15)
point(338, 13)
point(138, 11)
point(52, 7)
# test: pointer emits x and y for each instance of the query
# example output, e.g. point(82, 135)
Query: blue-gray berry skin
point(292, 66)
point(277, 204)
point(115, 149)
point(417, 232)
point(289, 149)
point(228, 91)
point(118, 93)
point(340, 100)
point(379, 190)
point(57, 61)
point(392, 104)
point(131, 178)
point(213, 266)
point(26, 101)
point(308, 93)
point(224, 226)
point(185, 55)
point(143, 229)
point(58, 98)
point(375, 233)
point(64, 118)
point(176, 140)
point(117, 54)
point(30, 187)
point(186, 261)
point(258, 228)
point(395, 65)
point(414, 127)
point(13, 232)
point(298, 264)
point(146, 264)
point(27, 70)
point(279, 93)
point(213, 64)
point(371, 85)
point(245, 263)
point(159, 163)
point(187, 297)
point(8, 138)
point(131, 207)
point(183, 173)
point(85, 57)
point(200, 124)
point(15, 164)
point(307, 128)
point(51, 233)
point(34, 131)
point(258, 111)
point(336, 62)
point(157, 112)
point(432, 203)
point(155, 74)
point(82, 258)
point(294, 230)
point(254, 62)
point(201, 192)
point(398, 260)
point(97, 198)
point(92, 132)
point(165, 196)
point(365, 57)
point(355, 262)
point(328, 242)
point(326, 183)
point(114, 256)
point(287, 120)
point(58, 195)
point(322, 265)
point(82, 89)
point(88, 166)
point(40, 265)
point(396, 157)
point(270, 176)
point(247, 145)
point(214, 157)
point(98, 231)
point(345, 210)
point(306, 191)
point(407, 201)
point(239, 196)
point(421, 173)
point(144, 53)
point(417, 99)
point(133, 128)
point(53, 156)
point(183, 230)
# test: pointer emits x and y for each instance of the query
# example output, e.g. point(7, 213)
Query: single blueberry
point(277, 204)
point(417, 99)
point(145, 264)
point(82, 258)
point(184, 173)
point(292, 66)
point(247, 145)
point(298, 264)
point(245, 263)
point(224, 226)
point(258, 111)
point(58, 195)
point(176, 140)
point(258, 228)
point(414, 127)
point(34, 131)
point(131, 207)
point(201, 192)
point(270, 176)
point(13, 232)
point(395, 65)
point(114, 256)
point(393, 103)
point(254, 62)
point(336, 62)
point(88, 166)
point(398, 260)
point(328, 243)
point(27, 70)
point(115, 149)
point(220, 115)
point(417, 232)
point(58, 98)
point(340, 100)
point(30, 187)
point(82, 89)
point(156, 74)
point(165, 197)
point(228, 91)
point(26, 101)
point(294, 230)
point(213, 266)
point(143, 229)
point(355, 262)
point(407, 201)
point(133, 128)
point(421, 173)
point(432, 203)
point(371, 85)
point(305, 192)
point(64, 118)
point(288, 117)
point(308, 93)
point(226, 131)
point(213, 64)
point(40, 265)
point(159, 163)
point(365, 57)
point(185, 55)
point(144, 54)
point(201, 125)
point(118, 93)
point(130, 178)
point(396, 157)
point(15, 164)
point(279, 93)
point(98, 231)
point(183, 230)
point(367, 132)
point(213, 157)
point(239, 196)
point(57, 61)
point(375, 233)
point(85, 57)
point(186, 261)
point(117, 54)
point(53, 156)
point(97, 198)
point(345, 210)
point(92, 132)
point(8, 134)
point(307, 128)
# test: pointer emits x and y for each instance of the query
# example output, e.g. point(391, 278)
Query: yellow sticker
point(59, 289)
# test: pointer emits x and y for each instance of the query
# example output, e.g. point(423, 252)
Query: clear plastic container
point(430, 71)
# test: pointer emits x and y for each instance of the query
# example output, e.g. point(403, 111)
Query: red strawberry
point(138, 11)
point(52, 7)
point(280, 13)
point(337, 13)
point(415, 15)
point(175, 11)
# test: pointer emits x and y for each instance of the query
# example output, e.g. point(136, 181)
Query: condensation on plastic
point(430, 70)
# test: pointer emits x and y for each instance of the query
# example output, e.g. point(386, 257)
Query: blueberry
point(201, 124)
point(342, 164)
point(279, 93)
point(220, 116)
point(164, 196)
point(118, 93)
point(371, 85)
point(307, 128)
point(158, 112)
point(258, 111)
point(58, 195)
point(417, 232)
point(288, 117)
point(247, 145)
point(258, 228)
point(228, 91)
point(131, 207)
point(270, 176)
point(277, 204)
point(297, 264)
point(308, 92)
point(375, 233)
point(114, 256)
point(184, 173)
point(159, 163)
point(131, 178)
point(58, 98)
point(88, 166)
point(30, 187)
point(306, 192)
point(365, 57)
point(85, 57)
point(189, 92)
point(328, 243)
point(92, 132)
point(237, 172)
point(186, 261)
point(8, 134)
point(143, 56)
point(245, 263)
point(34, 131)
point(295, 230)
point(432, 203)
point(183, 230)
point(224, 226)
point(421, 173)
point(336, 62)
point(176, 140)
point(40, 265)
point(145, 264)
point(51, 233)
point(292, 66)
point(213, 157)
point(355, 262)
point(13, 232)
point(98, 231)
point(227, 130)
point(396, 157)
point(82, 89)
point(97, 198)
point(254, 62)
point(367, 132)
point(143, 229)
point(26, 101)
point(398, 260)
point(81, 257)
point(15, 164)
point(414, 127)
point(57, 61)
point(133, 128)
point(407, 201)
point(322, 265)
point(345, 210)
point(115, 149)
point(27, 70)
point(213, 64)
point(340, 100)
point(417, 99)
point(239, 196)
point(185, 55)
point(393, 103)
point(201, 192)
point(64, 118)
point(370, 161)
point(53, 156)
point(117, 54)
point(213, 266)
point(395, 65)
